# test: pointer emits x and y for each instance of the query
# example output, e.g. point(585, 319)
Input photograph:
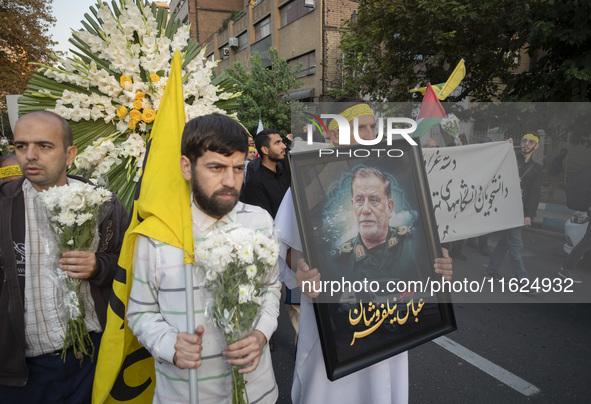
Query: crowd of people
point(229, 185)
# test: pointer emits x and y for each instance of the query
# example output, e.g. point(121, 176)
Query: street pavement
point(511, 353)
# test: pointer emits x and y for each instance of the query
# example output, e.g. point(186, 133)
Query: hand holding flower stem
point(78, 264)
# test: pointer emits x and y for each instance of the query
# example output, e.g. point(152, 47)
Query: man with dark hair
point(213, 150)
point(510, 240)
point(32, 328)
point(267, 184)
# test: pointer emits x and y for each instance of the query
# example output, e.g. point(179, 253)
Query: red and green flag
point(431, 113)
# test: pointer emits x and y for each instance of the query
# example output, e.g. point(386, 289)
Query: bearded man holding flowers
point(235, 274)
point(36, 363)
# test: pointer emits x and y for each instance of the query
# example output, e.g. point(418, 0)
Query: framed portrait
point(367, 223)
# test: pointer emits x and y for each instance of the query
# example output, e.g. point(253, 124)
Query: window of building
point(263, 48)
point(262, 29)
point(243, 40)
point(292, 11)
point(308, 62)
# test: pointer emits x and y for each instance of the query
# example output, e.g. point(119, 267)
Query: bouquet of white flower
point(72, 211)
point(235, 261)
point(451, 125)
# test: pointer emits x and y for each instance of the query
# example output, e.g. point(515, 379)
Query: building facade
point(302, 31)
point(205, 16)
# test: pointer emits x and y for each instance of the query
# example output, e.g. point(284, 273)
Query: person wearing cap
point(250, 155)
point(510, 240)
point(354, 108)
point(9, 168)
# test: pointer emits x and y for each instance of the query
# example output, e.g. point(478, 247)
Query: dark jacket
point(13, 370)
point(530, 174)
point(266, 188)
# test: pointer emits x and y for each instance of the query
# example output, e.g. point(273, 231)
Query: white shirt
point(157, 313)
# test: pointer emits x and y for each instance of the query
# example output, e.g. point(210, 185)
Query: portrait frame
point(322, 195)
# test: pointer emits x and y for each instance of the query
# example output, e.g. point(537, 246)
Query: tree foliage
point(262, 89)
point(559, 41)
point(396, 45)
point(24, 38)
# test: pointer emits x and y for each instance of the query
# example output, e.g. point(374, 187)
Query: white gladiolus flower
point(122, 125)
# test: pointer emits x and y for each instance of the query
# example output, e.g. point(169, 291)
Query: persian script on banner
point(475, 189)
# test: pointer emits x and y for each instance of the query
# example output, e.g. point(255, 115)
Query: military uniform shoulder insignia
point(347, 247)
point(359, 252)
point(344, 248)
point(392, 241)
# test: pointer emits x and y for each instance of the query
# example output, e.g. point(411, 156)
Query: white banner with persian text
point(475, 189)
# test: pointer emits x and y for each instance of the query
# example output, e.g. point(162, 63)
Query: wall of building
point(316, 32)
point(336, 13)
point(205, 16)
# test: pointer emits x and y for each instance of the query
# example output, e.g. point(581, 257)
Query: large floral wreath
point(110, 90)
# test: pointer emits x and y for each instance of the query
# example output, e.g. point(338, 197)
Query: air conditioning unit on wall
point(225, 51)
point(310, 3)
point(233, 42)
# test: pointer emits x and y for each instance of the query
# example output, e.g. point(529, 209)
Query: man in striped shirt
point(213, 153)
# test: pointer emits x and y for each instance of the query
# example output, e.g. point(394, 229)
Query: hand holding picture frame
point(367, 224)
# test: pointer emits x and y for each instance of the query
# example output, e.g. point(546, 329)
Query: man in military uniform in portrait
point(379, 252)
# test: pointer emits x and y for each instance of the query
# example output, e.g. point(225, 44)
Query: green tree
point(24, 38)
point(559, 43)
point(396, 45)
point(262, 89)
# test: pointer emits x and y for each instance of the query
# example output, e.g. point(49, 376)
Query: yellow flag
point(444, 89)
point(436, 87)
point(161, 210)
point(453, 81)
